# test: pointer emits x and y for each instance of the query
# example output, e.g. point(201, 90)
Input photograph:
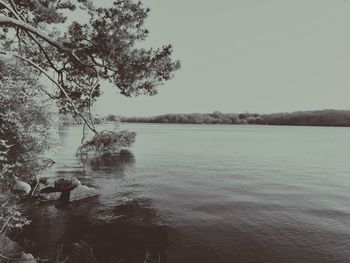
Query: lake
point(207, 193)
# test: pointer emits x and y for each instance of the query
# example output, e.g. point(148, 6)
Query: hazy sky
point(247, 55)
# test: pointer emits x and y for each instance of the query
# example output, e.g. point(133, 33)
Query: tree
point(78, 57)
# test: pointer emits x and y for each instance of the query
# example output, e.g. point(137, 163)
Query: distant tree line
point(302, 118)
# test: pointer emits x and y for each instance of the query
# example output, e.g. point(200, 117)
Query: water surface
point(207, 193)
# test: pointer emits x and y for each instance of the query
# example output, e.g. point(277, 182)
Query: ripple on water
point(208, 194)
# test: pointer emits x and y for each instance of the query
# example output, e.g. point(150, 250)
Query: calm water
point(199, 193)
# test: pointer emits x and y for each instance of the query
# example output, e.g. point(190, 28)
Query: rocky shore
point(55, 188)
point(45, 189)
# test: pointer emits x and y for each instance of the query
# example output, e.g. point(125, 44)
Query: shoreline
point(318, 118)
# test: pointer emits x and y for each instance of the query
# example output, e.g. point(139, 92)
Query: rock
point(21, 188)
point(54, 184)
point(44, 181)
point(50, 196)
point(82, 192)
point(11, 249)
point(25, 257)
point(7, 245)
point(65, 184)
point(48, 189)
point(46, 185)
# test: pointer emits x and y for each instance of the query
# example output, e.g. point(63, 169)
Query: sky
point(246, 55)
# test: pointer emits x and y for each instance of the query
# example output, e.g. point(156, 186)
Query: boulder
point(60, 184)
point(65, 184)
point(82, 192)
point(11, 250)
point(46, 185)
point(21, 188)
point(48, 189)
point(44, 180)
point(50, 196)
point(26, 257)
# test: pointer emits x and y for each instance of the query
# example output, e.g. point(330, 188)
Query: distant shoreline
point(321, 118)
point(329, 118)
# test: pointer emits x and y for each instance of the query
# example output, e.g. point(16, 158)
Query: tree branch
point(5, 20)
point(18, 16)
point(101, 65)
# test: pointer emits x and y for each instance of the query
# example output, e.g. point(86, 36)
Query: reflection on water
point(110, 164)
point(200, 193)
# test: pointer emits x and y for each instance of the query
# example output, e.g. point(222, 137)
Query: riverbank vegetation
point(27, 129)
point(340, 118)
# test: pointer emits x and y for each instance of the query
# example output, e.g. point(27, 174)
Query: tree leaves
point(106, 46)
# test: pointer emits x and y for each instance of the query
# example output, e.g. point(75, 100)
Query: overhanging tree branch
point(18, 16)
point(5, 20)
